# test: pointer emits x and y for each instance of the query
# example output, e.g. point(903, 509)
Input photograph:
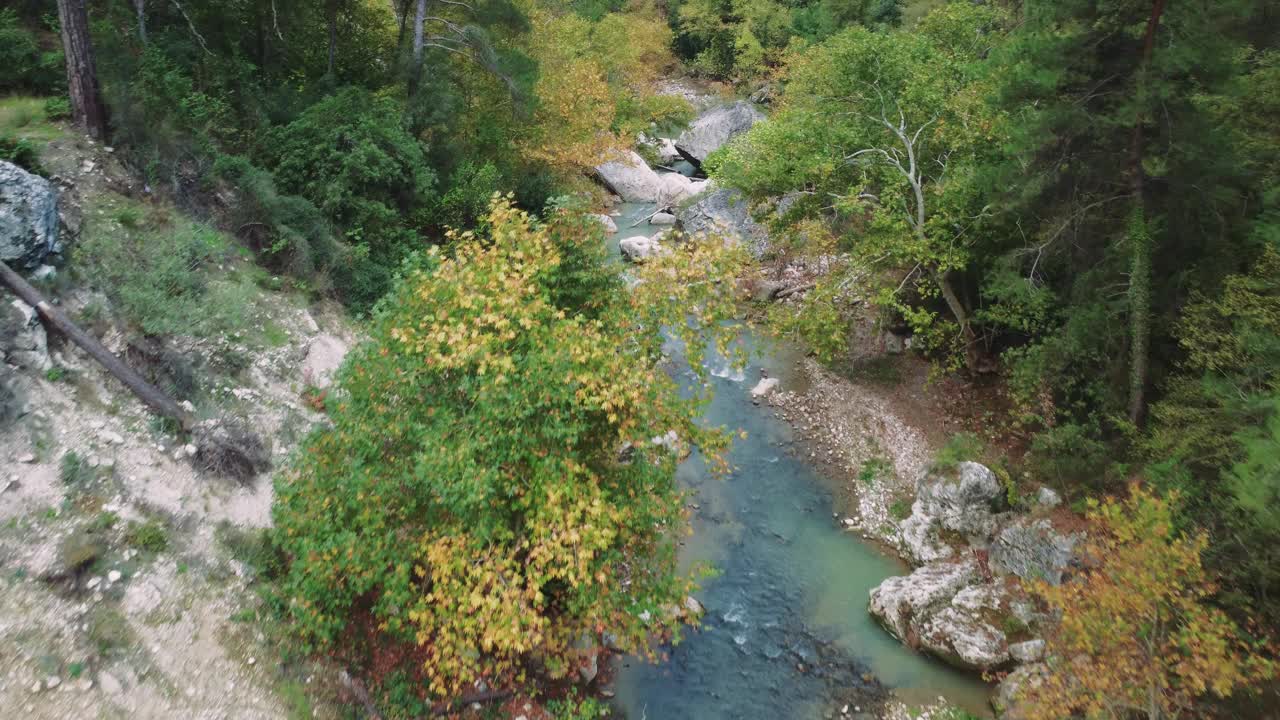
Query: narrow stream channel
point(786, 634)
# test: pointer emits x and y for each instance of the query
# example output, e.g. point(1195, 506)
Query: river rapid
point(786, 632)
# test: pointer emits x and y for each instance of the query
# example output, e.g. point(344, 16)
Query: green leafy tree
point(885, 130)
point(490, 491)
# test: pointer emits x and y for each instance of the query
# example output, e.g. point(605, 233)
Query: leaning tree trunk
point(82, 75)
point(1140, 240)
point(162, 404)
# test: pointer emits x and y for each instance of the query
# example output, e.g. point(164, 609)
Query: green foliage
point(74, 470)
point(474, 453)
point(571, 708)
point(960, 447)
point(150, 536)
point(24, 65)
point(22, 153)
point(155, 267)
point(350, 156)
point(57, 108)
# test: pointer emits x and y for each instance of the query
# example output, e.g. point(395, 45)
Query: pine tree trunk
point(333, 35)
point(82, 75)
point(140, 7)
point(419, 45)
point(1140, 241)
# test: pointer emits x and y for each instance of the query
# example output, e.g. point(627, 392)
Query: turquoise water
point(786, 633)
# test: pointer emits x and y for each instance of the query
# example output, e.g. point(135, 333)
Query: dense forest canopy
point(1075, 200)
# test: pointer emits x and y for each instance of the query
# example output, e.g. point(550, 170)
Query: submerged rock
point(28, 216)
point(714, 128)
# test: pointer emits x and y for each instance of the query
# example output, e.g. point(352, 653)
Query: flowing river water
point(786, 634)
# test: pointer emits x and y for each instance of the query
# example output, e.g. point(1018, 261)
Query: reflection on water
point(786, 633)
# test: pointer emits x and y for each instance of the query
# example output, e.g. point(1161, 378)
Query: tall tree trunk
point(140, 7)
point(333, 35)
point(82, 75)
point(419, 44)
point(1140, 240)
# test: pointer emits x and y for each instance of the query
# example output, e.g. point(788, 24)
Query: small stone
point(93, 582)
point(37, 687)
point(190, 449)
point(112, 437)
point(113, 576)
point(26, 458)
point(849, 522)
point(253, 661)
point(844, 710)
point(52, 682)
point(1048, 498)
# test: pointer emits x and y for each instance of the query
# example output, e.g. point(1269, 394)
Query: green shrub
point(156, 269)
point(19, 53)
point(150, 536)
point(21, 152)
point(959, 448)
point(571, 708)
point(74, 470)
point(57, 108)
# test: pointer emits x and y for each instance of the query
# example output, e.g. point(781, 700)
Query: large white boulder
point(957, 501)
point(638, 248)
point(28, 216)
point(899, 600)
point(714, 128)
point(324, 357)
point(630, 178)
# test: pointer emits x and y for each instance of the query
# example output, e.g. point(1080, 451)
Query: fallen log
point(55, 319)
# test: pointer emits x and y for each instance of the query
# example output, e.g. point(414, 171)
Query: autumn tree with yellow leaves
point(490, 491)
point(1138, 636)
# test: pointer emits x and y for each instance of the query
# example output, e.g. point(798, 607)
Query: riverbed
point(786, 632)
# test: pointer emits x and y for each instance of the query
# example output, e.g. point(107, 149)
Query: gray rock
point(766, 290)
point(1028, 651)
point(764, 387)
point(964, 639)
point(28, 216)
point(894, 344)
point(606, 222)
point(1033, 549)
point(919, 540)
point(714, 128)
point(22, 337)
point(725, 212)
point(662, 219)
point(630, 178)
point(1046, 497)
point(960, 501)
point(676, 188)
point(898, 601)
point(1007, 698)
point(638, 248)
point(324, 357)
